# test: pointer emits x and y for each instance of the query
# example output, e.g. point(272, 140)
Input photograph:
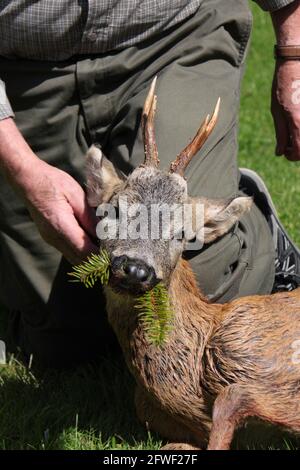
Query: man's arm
point(286, 22)
point(56, 202)
point(286, 83)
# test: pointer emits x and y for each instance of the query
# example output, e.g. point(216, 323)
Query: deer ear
point(220, 215)
point(102, 179)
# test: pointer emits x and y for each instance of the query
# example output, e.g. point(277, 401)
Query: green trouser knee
point(62, 107)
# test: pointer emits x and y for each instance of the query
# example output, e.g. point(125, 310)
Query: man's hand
point(56, 202)
point(286, 84)
point(58, 206)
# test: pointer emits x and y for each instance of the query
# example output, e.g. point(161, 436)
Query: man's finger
point(74, 243)
point(85, 215)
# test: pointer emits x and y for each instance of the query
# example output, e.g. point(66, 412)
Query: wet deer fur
point(221, 363)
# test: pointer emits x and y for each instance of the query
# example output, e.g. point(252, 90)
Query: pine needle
point(154, 306)
point(97, 267)
point(155, 314)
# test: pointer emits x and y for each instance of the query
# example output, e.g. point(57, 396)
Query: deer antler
point(150, 148)
point(183, 159)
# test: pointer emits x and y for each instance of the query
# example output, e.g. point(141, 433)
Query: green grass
point(89, 408)
point(92, 407)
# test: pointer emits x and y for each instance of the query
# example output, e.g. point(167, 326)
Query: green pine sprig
point(156, 314)
point(154, 307)
point(97, 267)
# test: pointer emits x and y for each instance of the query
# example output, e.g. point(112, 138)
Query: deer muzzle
point(133, 275)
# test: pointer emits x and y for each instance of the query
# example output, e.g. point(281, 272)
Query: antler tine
point(183, 159)
point(150, 148)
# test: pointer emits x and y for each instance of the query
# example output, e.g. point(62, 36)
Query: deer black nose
point(135, 271)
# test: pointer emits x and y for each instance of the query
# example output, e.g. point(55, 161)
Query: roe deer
point(221, 363)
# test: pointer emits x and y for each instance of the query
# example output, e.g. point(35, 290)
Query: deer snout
point(133, 274)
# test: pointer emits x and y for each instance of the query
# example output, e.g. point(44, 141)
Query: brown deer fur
point(240, 352)
point(221, 363)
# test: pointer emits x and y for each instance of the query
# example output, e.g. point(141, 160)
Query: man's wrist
point(16, 157)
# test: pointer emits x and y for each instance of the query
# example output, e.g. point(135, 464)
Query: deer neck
point(190, 305)
point(194, 320)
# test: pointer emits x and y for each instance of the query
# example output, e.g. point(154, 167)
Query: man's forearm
point(286, 22)
point(16, 157)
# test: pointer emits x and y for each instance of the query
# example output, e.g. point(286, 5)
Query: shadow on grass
point(259, 435)
point(89, 408)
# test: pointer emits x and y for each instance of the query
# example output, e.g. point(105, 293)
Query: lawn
point(92, 407)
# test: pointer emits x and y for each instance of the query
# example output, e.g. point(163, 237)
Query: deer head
point(139, 262)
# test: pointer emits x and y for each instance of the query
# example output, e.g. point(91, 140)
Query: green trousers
point(61, 108)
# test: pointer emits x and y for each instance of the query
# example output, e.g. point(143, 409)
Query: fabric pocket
point(245, 38)
point(220, 266)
